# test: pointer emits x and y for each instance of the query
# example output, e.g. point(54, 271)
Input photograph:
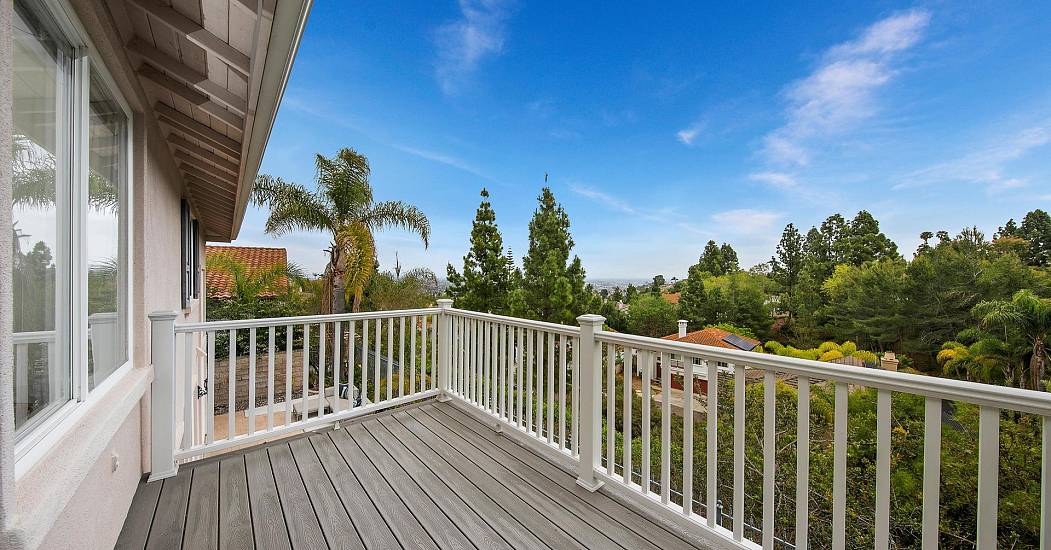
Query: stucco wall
point(76, 493)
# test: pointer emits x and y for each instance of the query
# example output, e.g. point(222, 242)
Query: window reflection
point(41, 87)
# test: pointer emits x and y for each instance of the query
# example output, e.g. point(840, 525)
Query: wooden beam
point(209, 135)
point(189, 76)
point(198, 35)
point(218, 188)
point(224, 180)
point(204, 154)
point(205, 166)
point(193, 96)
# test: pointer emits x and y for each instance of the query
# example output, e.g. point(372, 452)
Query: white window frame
point(29, 440)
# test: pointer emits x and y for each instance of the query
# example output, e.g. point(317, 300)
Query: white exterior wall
point(74, 488)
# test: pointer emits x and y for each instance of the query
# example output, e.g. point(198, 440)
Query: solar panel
point(738, 342)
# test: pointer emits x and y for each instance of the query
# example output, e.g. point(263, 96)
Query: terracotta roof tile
point(711, 336)
point(220, 284)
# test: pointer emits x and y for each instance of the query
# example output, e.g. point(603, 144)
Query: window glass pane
point(42, 113)
point(107, 251)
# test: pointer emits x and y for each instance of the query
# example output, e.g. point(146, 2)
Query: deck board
point(268, 522)
point(235, 513)
point(202, 514)
point(421, 477)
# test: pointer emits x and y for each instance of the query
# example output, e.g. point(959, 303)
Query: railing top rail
point(300, 320)
point(1002, 397)
point(568, 330)
point(33, 337)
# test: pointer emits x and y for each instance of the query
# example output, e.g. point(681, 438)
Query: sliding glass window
point(42, 118)
point(70, 197)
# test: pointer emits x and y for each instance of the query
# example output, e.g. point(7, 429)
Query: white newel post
point(590, 398)
point(162, 395)
point(444, 347)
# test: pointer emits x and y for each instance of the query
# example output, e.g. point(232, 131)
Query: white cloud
point(440, 158)
point(986, 165)
point(776, 179)
point(480, 32)
point(746, 220)
point(841, 92)
point(596, 195)
point(687, 135)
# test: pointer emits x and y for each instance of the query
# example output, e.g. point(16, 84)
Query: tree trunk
point(1036, 363)
point(337, 276)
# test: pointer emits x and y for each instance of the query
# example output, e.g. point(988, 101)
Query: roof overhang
point(214, 72)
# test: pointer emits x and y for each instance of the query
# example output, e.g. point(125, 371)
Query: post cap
point(445, 303)
point(163, 316)
point(591, 319)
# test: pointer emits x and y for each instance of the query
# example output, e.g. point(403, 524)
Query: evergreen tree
point(485, 284)
point(862, 241)
point(729, 259)
point(787, 266)
point(711, 259)
point(553, 286)
point(693, 302)
point(1036, 230)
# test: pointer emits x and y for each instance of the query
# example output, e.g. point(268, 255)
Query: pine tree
point(729, 259)
point(862, 241)
point(485, 284)
point(711, 259)
point(787, 265)
point(552, 284)
point(693, 302)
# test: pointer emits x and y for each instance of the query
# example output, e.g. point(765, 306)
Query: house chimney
point(682, 328)
point(889, 361)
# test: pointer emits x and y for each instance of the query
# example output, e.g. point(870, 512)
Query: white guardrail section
point(284, 375)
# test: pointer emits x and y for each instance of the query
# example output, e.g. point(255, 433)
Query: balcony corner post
point(162, 395)
point(444, 348)
point(590, 400)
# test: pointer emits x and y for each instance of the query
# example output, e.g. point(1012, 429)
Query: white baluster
point(739, 401)
point(932, 459)
point(803, 463)
point(988, 475)
point(590, 395)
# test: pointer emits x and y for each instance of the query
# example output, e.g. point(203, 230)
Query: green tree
point(866, 303)
point(786, 266)
point(730, 263)
point(343, 206)
point(552, 284)
point(650, 315)
point(862, 241)
point(1036, 230)
point(485, 284)
point(693, 302)
point(1027, 315)
point(396, 290)
point(711, 259)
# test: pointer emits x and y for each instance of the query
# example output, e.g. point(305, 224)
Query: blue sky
point(664, 128)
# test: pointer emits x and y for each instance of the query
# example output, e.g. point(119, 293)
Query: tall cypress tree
point(786, 267)
point(552, 284)
point(485, 284)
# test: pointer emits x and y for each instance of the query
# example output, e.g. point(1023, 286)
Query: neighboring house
point(219, 283)
point(711, 336)
point(135, 130)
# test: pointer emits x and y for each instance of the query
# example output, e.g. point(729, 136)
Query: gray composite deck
point(424, 476)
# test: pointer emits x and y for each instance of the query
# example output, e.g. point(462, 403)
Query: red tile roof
point(219, 283)
point(711, 336)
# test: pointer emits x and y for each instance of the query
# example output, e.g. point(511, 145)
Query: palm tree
point(1027, 315)
point(341, 205)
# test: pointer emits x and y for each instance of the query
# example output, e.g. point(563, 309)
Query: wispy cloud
point(776, 179)
point(620, 205)
point(746, 221)
point(689, 134)
point(441, 158)
point(842, 90)
point(987, 165)
point(478, 33)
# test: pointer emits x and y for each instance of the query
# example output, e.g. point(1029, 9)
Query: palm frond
point(401, 215)
point(344, 181)
point(292, 206)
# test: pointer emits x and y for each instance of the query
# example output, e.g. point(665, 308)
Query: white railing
point(240, 382)
point(579, 392)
